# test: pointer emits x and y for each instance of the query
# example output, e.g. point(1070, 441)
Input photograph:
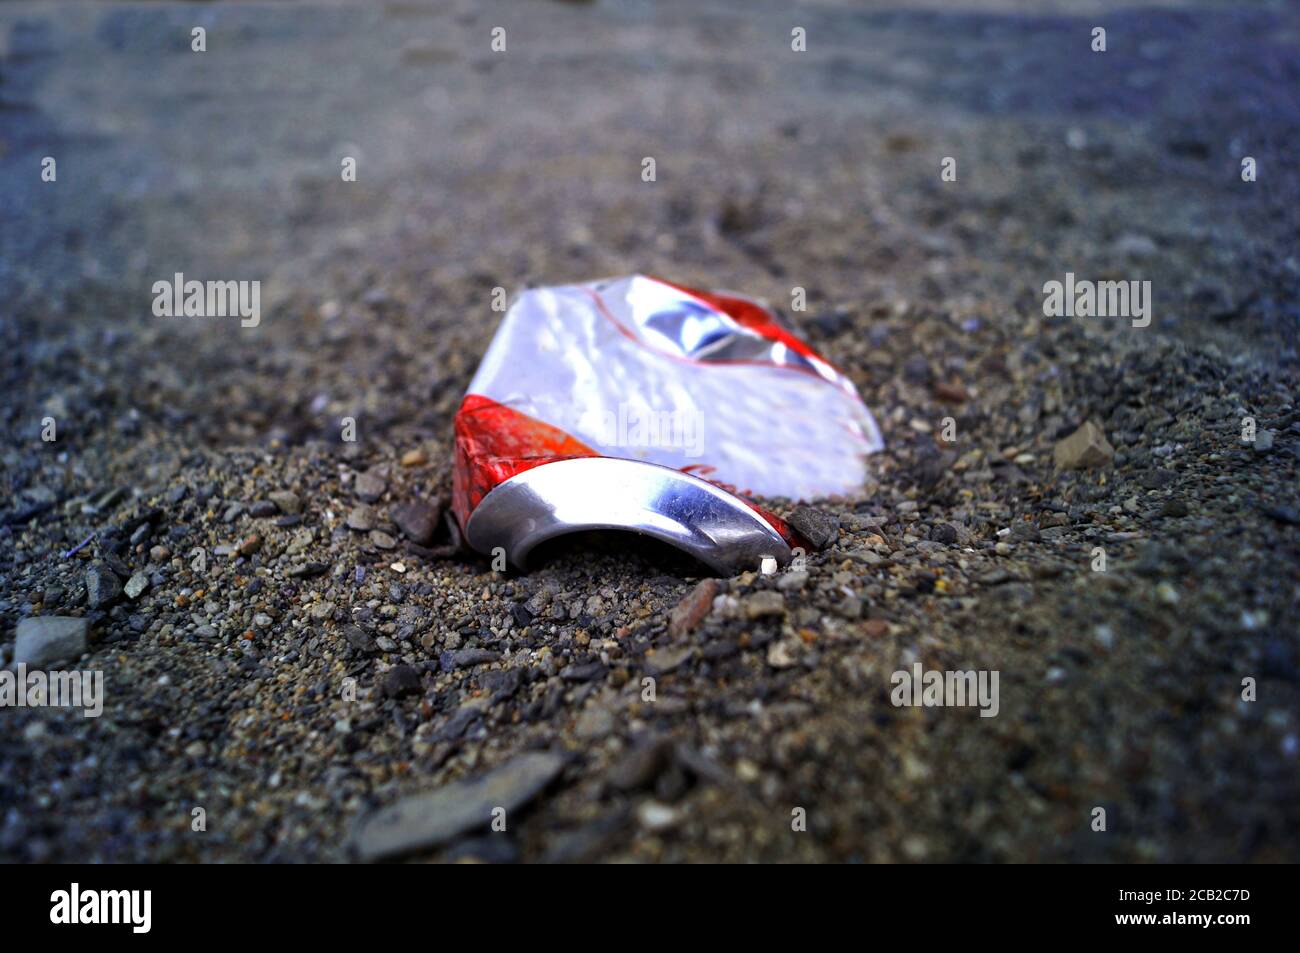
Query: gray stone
point(423, 821)
point(308, 570)
point(819, 528)
point(362, 518)
point(1026, 532)
point(640, 766)
point(286, 500)
point(587, 672)
point(783, 654)
point(1087, 447)
point(594, 724)
point(764, 603)
point(465, 658)
point(402, 680)
point(102, 586)
point(369, 486)
point(663, 661)
point(1174, 507)
point(50, 638)
point(944, 533)
point(137, 584)
point(358, 638)
point(418, 520)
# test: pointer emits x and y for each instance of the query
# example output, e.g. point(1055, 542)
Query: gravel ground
point(334, 680)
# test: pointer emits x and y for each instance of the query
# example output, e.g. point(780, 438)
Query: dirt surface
point(319, 665)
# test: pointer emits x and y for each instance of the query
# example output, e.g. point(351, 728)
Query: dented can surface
point(637, 404)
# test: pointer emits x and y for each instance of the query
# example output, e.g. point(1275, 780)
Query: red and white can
point(637, 404)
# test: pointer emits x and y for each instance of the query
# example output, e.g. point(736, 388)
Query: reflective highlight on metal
point(667, 317)
point(596, 493)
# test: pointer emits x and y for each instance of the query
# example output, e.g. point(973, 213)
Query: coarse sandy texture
point(228, 681)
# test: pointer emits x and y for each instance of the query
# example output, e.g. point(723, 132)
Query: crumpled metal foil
point(707, 385)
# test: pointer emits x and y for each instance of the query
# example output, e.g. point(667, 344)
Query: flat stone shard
point(423, 821)
point(665, 660)
point(640, 766)
point(286, 500)
point(358, 638)
point(361, 518)
point(417, 519)
point(1084, 449)
point(50, 638)
point(817, 526)
point(763, 604)
point(690, 612)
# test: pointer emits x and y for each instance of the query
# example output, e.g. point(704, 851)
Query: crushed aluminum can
point(637, 404)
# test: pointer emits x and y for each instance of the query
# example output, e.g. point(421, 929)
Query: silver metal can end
point(595, 493)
